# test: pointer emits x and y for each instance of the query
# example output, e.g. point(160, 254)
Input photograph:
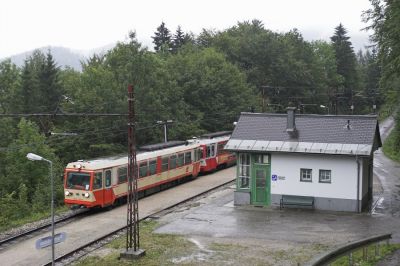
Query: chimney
point(291, 117)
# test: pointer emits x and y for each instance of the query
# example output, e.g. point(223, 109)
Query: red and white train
point(103, 182)
point(214, 156)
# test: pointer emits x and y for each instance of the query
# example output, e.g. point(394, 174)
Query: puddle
point(377, 205)
point(229, 204)
point(202, 255)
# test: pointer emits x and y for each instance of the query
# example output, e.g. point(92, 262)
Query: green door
point(261, 185)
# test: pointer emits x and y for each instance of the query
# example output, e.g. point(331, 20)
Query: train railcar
point(214, 156)
point(103, 182)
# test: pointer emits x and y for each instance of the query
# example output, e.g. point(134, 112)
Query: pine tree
point(346, 63)
point(50, 84)
point(178, 39)
point(162, 39)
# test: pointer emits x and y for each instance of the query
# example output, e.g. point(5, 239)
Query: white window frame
point(305, 175)
point(323, 174)
point(261, 158)
point(244, 175)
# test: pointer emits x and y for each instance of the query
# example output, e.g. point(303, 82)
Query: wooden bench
point(287, 200)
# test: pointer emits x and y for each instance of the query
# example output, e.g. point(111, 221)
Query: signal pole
point(165, 123)
point(132, 251)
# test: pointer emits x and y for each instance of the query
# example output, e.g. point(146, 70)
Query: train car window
point(143, 168)
point(172, 162)
point(181, 158)
point(198, 155)
point(220, 149)
point(164, 164)
point(122, 174)
point(78, 180)
point(188, 157)
point(210, 151)
point(98, 180)
point(108, 178)
point(153, 167)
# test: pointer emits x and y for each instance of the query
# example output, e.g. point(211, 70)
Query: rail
point(348, 249)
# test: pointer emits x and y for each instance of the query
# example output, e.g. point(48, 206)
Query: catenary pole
point(132, 228)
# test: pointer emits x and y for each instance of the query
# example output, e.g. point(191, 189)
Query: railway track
point(107, 238)
point(6, 242)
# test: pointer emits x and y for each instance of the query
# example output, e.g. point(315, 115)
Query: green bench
point(291, 200)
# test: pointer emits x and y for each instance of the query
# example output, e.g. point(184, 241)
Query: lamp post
point(35, 157)
point(323, 106)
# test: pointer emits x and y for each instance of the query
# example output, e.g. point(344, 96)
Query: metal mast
point(132, 229)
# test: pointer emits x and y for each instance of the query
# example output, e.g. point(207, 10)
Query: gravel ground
point(31, 226)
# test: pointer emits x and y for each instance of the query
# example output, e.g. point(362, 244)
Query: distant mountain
point(62, 56)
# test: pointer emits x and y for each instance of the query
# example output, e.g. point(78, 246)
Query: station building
point(327, 157)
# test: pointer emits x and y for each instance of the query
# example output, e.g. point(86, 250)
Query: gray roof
point(314, 133)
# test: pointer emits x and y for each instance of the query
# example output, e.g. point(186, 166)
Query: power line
point(64, 114)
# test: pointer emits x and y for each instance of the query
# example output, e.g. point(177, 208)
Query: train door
point(211, 157)
point(98, 187)
point(107, 192)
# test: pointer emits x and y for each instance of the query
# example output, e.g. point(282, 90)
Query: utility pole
point(263, 99)
point(132, 251)
point(165, 123)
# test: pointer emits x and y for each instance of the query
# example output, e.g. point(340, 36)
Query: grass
point(34, 217)
point(388, 147)
point(372, 259)
point(385, 111)
point(161, 249)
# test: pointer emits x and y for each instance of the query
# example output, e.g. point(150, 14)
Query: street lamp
point(35, 157)
point(323, 106)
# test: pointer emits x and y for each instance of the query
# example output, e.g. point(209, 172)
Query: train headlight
point(67, 193)
point(87, 195)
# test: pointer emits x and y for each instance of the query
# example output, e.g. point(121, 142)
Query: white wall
point(343, 175)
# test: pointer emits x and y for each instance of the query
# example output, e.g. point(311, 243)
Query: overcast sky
point(89, 24)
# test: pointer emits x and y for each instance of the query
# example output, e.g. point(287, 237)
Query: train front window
point(78, 181)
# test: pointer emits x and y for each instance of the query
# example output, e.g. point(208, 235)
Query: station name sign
point(46, 241)
point(276, 177)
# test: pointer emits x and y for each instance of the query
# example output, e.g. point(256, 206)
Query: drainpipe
point(358, 184)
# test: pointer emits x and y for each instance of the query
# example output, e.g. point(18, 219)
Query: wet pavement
point(388, 171)
point(215, 219)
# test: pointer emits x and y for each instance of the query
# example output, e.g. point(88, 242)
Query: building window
point(324, 176)
point(244, 170)
point(305, 175)
point(261, 159)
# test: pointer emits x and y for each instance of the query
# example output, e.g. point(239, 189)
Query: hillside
point(63, 56)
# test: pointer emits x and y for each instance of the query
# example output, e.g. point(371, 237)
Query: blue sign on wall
point(274, 177)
